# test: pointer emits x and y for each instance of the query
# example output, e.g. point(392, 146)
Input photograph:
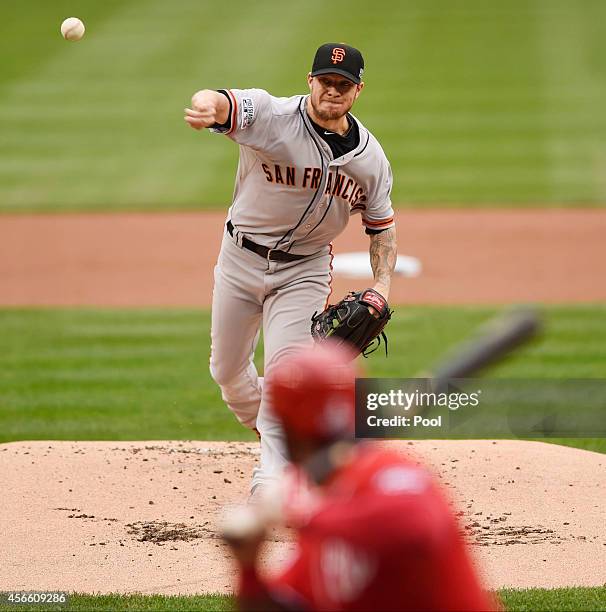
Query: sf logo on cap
point(338, 54)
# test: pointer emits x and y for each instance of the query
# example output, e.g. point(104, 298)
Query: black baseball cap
point(340, 59)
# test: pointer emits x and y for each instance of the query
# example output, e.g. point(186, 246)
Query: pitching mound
point(141, 516)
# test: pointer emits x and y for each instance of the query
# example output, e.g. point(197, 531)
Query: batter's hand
point(207, 108)
point(244, 528)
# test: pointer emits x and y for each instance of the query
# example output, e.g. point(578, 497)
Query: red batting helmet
point(312, 392)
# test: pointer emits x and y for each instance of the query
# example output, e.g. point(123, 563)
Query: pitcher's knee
point(222, 374)
point(238, 385)
point(241, 393)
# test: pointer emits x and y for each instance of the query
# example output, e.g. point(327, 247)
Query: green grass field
point(137, 375)
point(476, 102)
point(514, 600)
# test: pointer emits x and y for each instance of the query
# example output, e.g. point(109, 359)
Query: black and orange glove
point(358, 320)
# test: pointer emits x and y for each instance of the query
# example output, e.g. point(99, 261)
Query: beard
point(328, 115)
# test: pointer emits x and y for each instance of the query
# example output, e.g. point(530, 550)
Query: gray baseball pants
point(251, 292)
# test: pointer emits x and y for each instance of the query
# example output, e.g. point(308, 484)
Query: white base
point(357, 265)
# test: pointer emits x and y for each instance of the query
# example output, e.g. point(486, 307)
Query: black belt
point(265, 252)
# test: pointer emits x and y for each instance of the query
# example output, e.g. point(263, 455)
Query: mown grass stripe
point(143, 374)
point(471, 74)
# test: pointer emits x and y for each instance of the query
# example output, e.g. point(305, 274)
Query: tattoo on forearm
point(383, 255)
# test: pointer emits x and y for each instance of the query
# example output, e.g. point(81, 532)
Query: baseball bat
point(496, 339)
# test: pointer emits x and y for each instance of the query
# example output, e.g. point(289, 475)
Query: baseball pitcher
point(306, 166)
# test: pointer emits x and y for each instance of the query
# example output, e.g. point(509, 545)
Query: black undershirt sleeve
point(370, 232)
point(227, 124)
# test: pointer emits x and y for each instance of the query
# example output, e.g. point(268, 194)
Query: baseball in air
point(72, 29)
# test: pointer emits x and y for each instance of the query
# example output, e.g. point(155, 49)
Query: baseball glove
point(351, 321)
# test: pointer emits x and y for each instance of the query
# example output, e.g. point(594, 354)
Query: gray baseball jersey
point(290, 193)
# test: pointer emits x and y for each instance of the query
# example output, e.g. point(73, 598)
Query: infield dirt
point(468, 257)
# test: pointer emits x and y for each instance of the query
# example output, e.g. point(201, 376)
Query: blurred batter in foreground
point(374, 532)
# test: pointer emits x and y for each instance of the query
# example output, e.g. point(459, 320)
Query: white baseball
point(72, 29)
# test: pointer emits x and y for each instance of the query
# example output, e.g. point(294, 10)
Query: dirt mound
point(142, 516)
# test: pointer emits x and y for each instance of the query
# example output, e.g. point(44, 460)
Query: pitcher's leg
point(286, 325)
point(234, 334)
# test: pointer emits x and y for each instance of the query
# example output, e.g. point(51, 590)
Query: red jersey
point(382, 537)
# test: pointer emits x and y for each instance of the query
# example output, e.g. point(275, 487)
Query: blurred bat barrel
point(495, 340)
